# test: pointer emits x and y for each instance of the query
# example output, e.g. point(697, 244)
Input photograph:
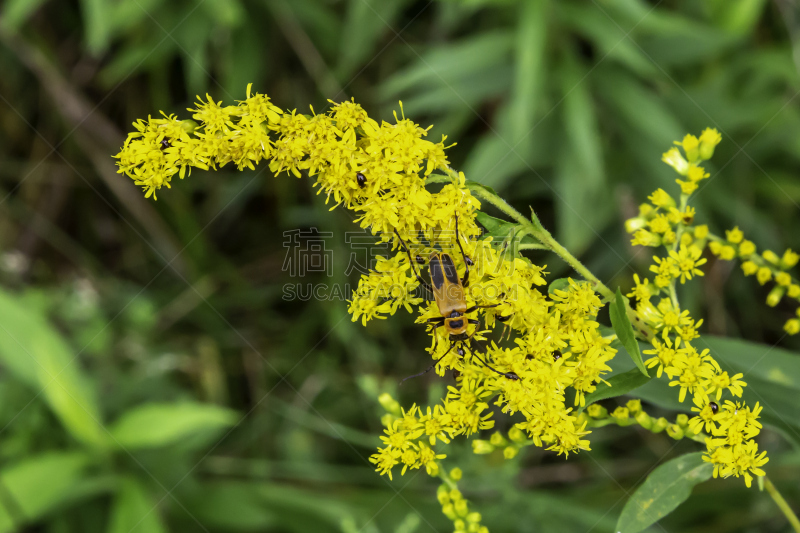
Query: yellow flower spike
point(709, 139)
point(690, 145)
point(763, 275)
point(673, 158)
point(734, 235)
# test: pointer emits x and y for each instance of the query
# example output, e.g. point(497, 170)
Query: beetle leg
point(467, 260)
point(413, 266)
point(509, 375)
point(475, 307)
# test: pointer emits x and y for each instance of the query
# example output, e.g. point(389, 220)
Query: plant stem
point(787, 511)
point(535, 228)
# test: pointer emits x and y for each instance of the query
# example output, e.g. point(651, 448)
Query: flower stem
point(787, 511)
point(538, 231)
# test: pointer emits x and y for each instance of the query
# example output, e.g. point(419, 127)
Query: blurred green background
point(154, 377)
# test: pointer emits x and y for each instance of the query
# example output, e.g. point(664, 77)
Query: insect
point(448, 293)
point(714, 407)
point(361, 179)
point(165, 144)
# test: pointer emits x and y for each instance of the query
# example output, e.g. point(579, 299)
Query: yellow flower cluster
point(666, 223)
point(163, 147)
point(456, 508)
point(561, 347)
point(766, 266)
point(554, 354)
point(695, 150)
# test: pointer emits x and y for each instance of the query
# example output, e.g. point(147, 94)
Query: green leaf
point(559, 284)
point(495, 227)
point(530, 77)
point(583, 207)
point(231, 505)
point(37, 355)
point(617, 386)
point(624, 330)
point(474, 185)
point(96, 20)
point(161, 424)
point(134, 510)
point(663, 491)
point(41, 483)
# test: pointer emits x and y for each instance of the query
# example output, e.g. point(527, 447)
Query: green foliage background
point(154, 379)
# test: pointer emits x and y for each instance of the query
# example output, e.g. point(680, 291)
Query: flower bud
point(474, 517)
point(634, 406)
point(792, 326)
point(659, 425)
point(747, 248)
point(481, 447)
point(389, 404)
point(763, 275)
point(596, 411)
point(510, 452)
point(793, 291)
point(449, 511)
point(675, 431)
point(443, 494)
point(462, 508)
point(749, 268)
point(455, 474)
point(682, 420)
point(775, 295)
point(709, 139)
point(673, 158)
point(771, 256)
point(635, 223)
point(620, 413)
point(789, 259)
point(516, 435)
point(188, 125)
point(644, 420)
point(497, 439)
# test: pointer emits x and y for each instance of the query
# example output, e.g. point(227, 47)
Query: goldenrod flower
point(687, 261)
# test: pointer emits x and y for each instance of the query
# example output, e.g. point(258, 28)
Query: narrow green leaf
point(624, 331)
point(474, 185)
point(617, 386)
point(530, 72)
point(663, 491)
point(37, 355)
point(559, 284)
point(134, 510)
point(161, 424)
point(97, 22)
point(583, 207)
